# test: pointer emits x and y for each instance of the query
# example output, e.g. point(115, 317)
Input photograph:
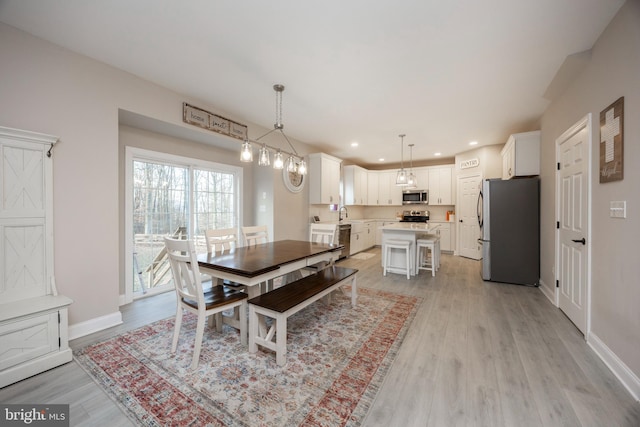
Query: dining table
point(261, 263)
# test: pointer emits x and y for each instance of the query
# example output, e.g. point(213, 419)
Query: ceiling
point(442, 72)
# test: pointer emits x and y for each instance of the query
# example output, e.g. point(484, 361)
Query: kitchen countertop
point(409, 227)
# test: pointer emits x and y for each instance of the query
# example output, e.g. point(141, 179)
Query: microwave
point(415, 197)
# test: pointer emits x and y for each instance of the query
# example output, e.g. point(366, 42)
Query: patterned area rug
point(337, 357)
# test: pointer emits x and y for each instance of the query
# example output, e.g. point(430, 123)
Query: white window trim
point(133, 153)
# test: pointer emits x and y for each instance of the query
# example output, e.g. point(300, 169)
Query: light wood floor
point(477, 354)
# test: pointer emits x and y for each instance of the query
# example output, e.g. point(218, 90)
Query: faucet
point(346, 213)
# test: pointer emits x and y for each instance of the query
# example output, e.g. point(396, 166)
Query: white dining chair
point(255, 234)
point(191, 296)
point(221, 240)
point(321, 233)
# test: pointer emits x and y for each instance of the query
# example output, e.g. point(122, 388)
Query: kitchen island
point(410, 231)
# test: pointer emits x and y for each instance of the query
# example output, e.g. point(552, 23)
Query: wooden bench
point(282, 302)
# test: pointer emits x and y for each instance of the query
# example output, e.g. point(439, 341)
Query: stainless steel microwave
point(415, 197)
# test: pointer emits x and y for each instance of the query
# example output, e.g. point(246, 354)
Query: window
point(172, 196)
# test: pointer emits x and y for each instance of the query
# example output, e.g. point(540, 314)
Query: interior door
point(467, 213)
point(573, 179)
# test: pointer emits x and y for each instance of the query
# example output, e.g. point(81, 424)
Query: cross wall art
point(611, 142)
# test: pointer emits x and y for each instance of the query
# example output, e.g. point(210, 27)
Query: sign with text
point(34, 415)
point(204, 119)
point(471, 163)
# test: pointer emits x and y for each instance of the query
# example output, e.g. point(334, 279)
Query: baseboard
point(617, 366)
point(81, 329)
point(549, 292)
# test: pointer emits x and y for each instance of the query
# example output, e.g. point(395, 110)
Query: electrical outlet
point(618, 209)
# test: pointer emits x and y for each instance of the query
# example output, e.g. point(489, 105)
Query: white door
point(573, 238)
point(467, 217)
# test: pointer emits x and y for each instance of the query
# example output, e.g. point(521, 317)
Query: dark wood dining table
point(253, 265)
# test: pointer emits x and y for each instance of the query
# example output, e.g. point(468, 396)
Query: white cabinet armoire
point(33, 317)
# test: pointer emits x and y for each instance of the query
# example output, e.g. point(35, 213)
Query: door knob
point(583, 241)
point(460, 220)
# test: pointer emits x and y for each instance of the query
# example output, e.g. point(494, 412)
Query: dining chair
point(191, 296)
point(255, 234)
point(221, 240)
point(321, 233)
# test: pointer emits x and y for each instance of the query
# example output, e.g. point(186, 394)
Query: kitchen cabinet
point(370, 234)
point(422, 178)
point(441, 185)
point(363, 236)
point(521, 155)
point(389, 194)
point(373, 185)
point(324, 179)
point(446, 233)
point(33, 316)
point(355, 185)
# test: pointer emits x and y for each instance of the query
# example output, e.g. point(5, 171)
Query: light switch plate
point(618, 209)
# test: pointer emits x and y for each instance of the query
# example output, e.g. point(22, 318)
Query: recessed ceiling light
point(381, 159)
point(473, 143)
point(437, 154)
point(354, 144)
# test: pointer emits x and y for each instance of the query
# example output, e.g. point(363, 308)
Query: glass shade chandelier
point(294, 162)
point(412, 181)
point(401, 177)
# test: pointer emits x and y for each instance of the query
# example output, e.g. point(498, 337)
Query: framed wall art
point(612, 142)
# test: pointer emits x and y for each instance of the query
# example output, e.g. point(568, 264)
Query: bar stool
point(404, 245)
point(429, 242)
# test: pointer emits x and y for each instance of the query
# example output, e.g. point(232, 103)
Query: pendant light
point(246, 153)
point(412, 181)
point(263, 156)
point(278, 160)
point(401, 177)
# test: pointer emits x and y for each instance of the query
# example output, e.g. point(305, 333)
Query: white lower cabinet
point(446, 234)
point(363, 236)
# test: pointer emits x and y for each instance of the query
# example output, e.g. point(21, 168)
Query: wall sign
point(471, 163)
point(204, 119)
point(611, 142)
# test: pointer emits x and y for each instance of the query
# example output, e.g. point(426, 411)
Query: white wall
point(45, 88)
point(614, 71)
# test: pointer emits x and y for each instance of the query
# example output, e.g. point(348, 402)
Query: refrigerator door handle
point(479, 209)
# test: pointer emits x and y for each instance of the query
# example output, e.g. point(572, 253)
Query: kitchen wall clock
point(293, 180)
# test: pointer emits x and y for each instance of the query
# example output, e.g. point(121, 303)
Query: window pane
point(214, 200)
point(161, 207)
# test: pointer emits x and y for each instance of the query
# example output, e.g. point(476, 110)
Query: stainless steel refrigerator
point(509, 218)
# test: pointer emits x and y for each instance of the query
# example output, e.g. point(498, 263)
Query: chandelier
point(401, 177)
point(293, 163)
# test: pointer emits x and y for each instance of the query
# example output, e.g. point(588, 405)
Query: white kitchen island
point(410, 231)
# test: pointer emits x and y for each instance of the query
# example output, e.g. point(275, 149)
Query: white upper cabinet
point(521, 155)
point(373, 188)
point(441, 185)
point(324, 179)
point(355, 185)
point(422, 178)
point(389, 194)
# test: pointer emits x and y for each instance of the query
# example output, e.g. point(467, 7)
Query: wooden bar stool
point(428, 243)
point(404, 245)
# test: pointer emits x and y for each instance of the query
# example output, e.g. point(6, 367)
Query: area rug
point(337, 357)
point(363, 255)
